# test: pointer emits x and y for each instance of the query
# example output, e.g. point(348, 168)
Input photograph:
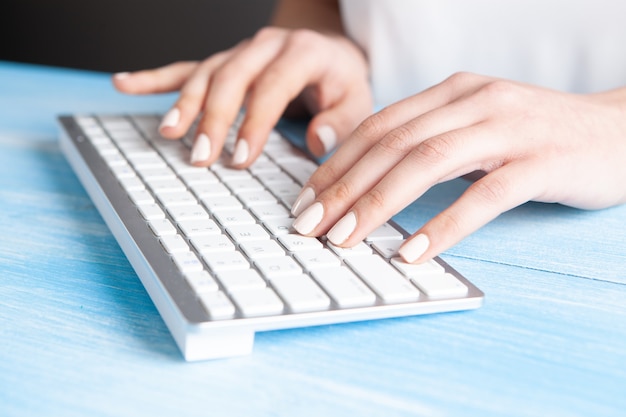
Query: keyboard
point(215, 249)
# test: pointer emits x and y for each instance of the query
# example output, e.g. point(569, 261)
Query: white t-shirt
point(569, 45)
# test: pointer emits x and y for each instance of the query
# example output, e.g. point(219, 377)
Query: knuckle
point(436, 149)
point(449, 223)
point(374, 200)
point(340, 191)
point(375, 126)
point(303, 38)
point(396, 142)
point(265, 33)
point(460, 79)
point(500, 90)
point(491, 189)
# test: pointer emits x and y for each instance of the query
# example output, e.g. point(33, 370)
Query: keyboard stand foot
point(217, 343)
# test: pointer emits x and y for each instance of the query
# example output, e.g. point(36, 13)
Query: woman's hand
point(531, 144)
point(327, 72)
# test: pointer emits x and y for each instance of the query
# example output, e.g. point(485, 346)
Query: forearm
point(319, 15)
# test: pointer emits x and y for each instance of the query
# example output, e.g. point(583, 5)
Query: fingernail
point(414, 248)
point(170, 119)
point(201, 150)
point(241, 152)
point(327, 136)
point(121, 75)
point(343, 229)
point(309, 219)
point(304, 200)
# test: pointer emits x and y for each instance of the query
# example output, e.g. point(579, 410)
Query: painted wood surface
point(79, 335)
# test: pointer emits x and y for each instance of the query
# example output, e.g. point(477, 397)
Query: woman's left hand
point(531, 144)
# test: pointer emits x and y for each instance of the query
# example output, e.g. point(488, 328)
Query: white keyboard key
point(285, 189)
point(217, 204)
point(140, 197)
point(266, 212)
point(256, 198)
point(240, 185)
point(279, 227)
point(269, 178)
point(233, 217)
point(189, 212)
point(301, 293)
point(384, 232)
point(210, 190)
point(300, 170)
point(174, 243)
point(201, 282)
point(225, 261)
point(345, 288)
point(225, 173)
point(187, 262)
point(199, 227)
point(384, 279)
point(262, 249)
point(440, 286)
point(247, 279)
point(360, 249)
point(263, 166)
point(247, 233)
point(120, 167)
point(132, 184)
point(158, 174)
point(199, 177)
point(259, 302)
point(151, 211)
point(387, 248)
point(179, 198)
point(279, 266)
point(166, 186)
point(212, 244)
point(317, 259)
point(217, 305)
point(162, 227)
point(429, 267)
point(299, 243)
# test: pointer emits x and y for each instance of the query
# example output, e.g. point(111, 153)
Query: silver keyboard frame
point(198, 337)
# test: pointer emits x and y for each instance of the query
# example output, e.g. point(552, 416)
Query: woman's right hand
point(327, 73)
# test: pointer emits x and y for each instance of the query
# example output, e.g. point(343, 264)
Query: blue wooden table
point(80, 337)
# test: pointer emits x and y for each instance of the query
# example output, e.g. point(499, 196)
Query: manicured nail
point(304, 200)
point(241, 152)
point(327, 136)
point(343, 229)
point(121, 75)
point(309, 219)
point(414, 248)
point(170, 119)
point(201, 150)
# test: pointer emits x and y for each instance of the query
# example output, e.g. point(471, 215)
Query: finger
point(448, 155)
point(229, 86)
point(301, 62)
point(160, 80)
point(383, 123)
point(496, 193)
point(178, 119)
point(364, 173)
point(330, 127)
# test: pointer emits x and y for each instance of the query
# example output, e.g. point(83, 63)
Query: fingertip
point(322, 140)
point(201, 151)
point(414, 249)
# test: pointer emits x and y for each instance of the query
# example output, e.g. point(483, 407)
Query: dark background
point(124, 35)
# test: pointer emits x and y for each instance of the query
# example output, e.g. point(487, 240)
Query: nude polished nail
point(201, 150)
point(341, 231)
point(170, 119)
point(414, 248)
point(303, 201)
point(309, 219)
point(242, 151)
point(327, 136)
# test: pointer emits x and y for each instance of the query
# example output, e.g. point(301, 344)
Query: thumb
point(330, 127)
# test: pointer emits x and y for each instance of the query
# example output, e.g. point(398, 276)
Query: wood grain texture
point(79, 335)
